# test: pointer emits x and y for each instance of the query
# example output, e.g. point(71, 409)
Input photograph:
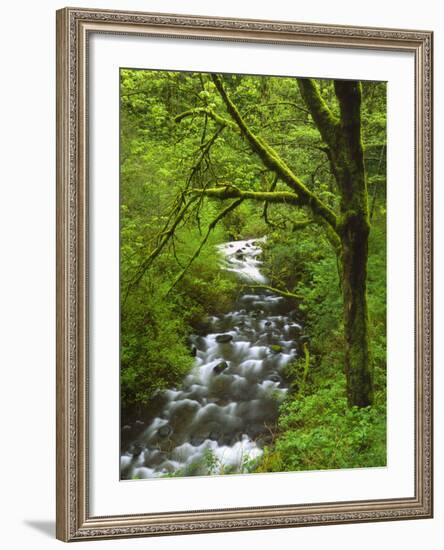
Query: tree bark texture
point(345, 152)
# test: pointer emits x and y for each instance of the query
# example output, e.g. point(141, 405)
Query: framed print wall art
point(244, 288)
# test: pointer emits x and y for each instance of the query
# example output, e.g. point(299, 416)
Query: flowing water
point(226, 408)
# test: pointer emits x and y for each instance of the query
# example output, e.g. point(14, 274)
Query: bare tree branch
point(204, 150)
point(265, 210)
point(212, 225)
point(163, 241)
point(275, 104)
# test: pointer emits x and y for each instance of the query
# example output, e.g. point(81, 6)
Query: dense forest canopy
point(211, 158)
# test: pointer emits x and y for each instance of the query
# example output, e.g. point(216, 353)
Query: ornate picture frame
point(75, 519)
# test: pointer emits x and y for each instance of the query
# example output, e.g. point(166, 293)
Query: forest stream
point(226, 409)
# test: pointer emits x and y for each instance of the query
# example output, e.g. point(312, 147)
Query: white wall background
point(27, 273)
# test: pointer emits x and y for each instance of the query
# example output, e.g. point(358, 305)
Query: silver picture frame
point(74, 521)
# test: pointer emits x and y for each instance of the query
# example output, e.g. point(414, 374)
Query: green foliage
point(212, 463)
point(154, 354)
point(161, 160)
point(321, 431)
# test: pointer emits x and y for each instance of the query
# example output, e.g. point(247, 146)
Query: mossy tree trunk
point(354, 244)
point(346, 156)
point(354, 231)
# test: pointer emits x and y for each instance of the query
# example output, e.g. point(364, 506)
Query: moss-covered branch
point(284, 293)
point(206, 111)
point(298, 226)
point(325, 121)
point(332, 237)
point(232, 192)
point(273, 161)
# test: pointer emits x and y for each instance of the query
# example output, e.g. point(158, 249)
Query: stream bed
point(225, 411)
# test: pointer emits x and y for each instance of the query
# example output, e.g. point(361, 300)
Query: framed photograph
point(244, 274)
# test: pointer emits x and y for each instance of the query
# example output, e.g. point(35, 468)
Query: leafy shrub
point(320, 431)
